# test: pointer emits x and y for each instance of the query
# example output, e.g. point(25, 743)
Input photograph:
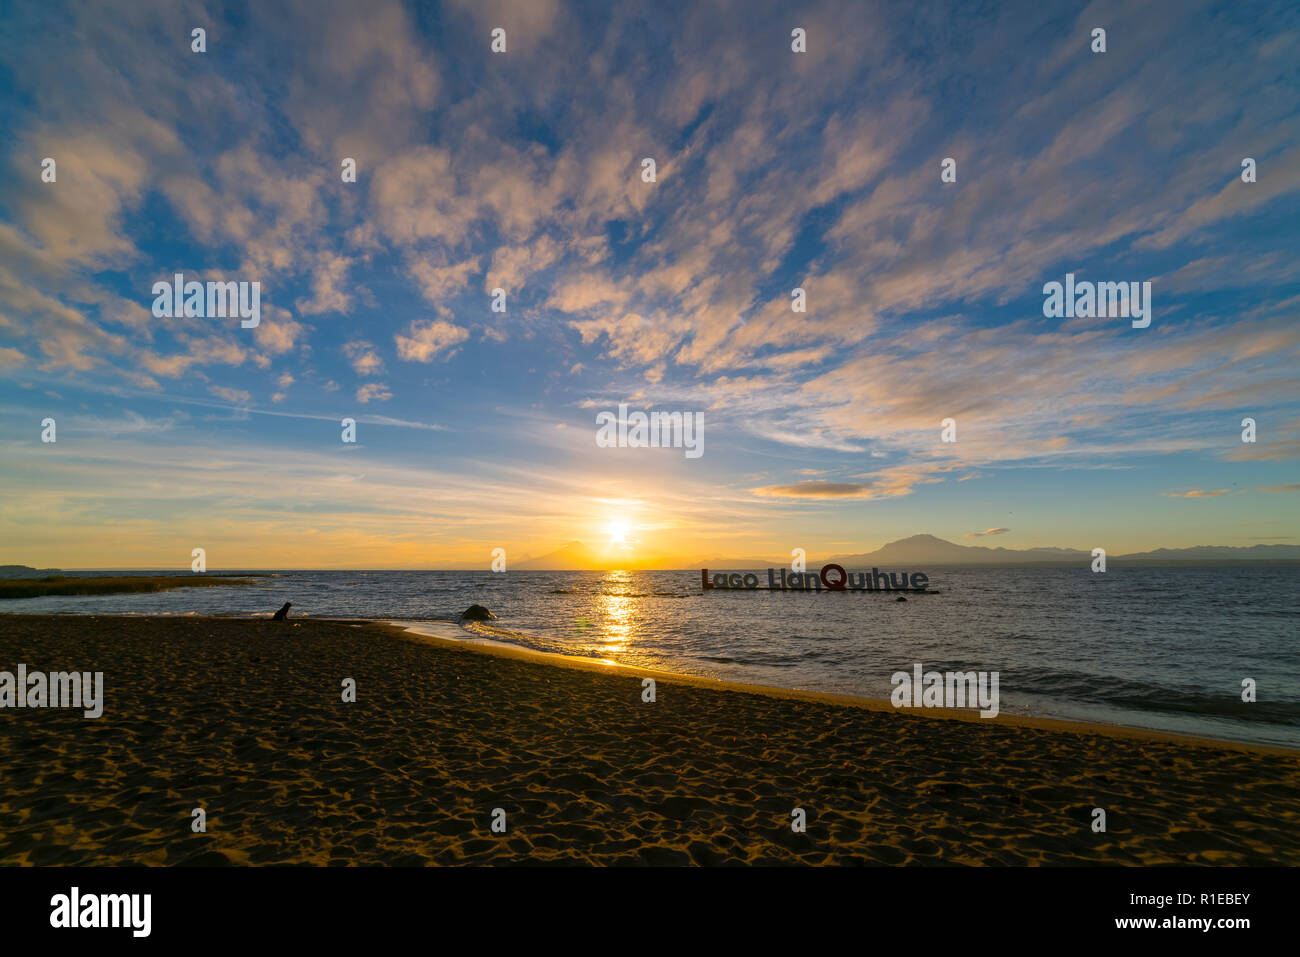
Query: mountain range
point(913, 551)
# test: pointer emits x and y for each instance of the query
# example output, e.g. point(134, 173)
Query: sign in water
point(832, 577)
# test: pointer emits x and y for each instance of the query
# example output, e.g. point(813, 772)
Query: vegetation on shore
point(66, 585)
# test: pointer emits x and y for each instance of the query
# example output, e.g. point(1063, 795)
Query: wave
point(1152, 696)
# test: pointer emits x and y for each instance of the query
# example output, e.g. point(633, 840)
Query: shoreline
point(487, 646)
point(484, 645)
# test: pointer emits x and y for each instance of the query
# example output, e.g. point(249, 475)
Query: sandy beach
point(244, 719)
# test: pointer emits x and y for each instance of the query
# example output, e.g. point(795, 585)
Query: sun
point(618, 531)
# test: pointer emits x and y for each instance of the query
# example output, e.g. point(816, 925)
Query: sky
point(523, 171)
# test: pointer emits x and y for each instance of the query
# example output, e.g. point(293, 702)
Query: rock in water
point(477, 613)
point(900, 598)
point(282, 613)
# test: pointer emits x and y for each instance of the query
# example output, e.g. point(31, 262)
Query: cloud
point(989, 531)
point(278, 332)
point(526, 22)
point(512, 266)
point(1197, 493)
point(66, 336)
point(237, 396)
point(439, 283)
point(424, 339)
point(361, 81)
point(328, 276)
point(816, 490)
point(128, 423)
point(414, 198)
point(1234, 199)
point(401, 423)
point(365, 360)
point(1291, 487)
point(103, 173)
point(1266, 451)
point(373, 391)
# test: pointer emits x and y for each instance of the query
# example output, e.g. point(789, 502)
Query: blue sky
point(522, 171)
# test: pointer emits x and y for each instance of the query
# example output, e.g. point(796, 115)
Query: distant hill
point(575, 556)
point(929, 550)
point(1218, 553)
point(26, 571)
point(920, 550)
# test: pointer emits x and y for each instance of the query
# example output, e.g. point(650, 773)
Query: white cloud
point(426, 338)
point(237, 396)
point(373, 391)
point(365, 360)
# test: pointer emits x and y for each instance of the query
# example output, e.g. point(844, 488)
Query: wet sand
point(244, 718)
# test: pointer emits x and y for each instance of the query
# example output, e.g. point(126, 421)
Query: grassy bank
point(64, 585)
